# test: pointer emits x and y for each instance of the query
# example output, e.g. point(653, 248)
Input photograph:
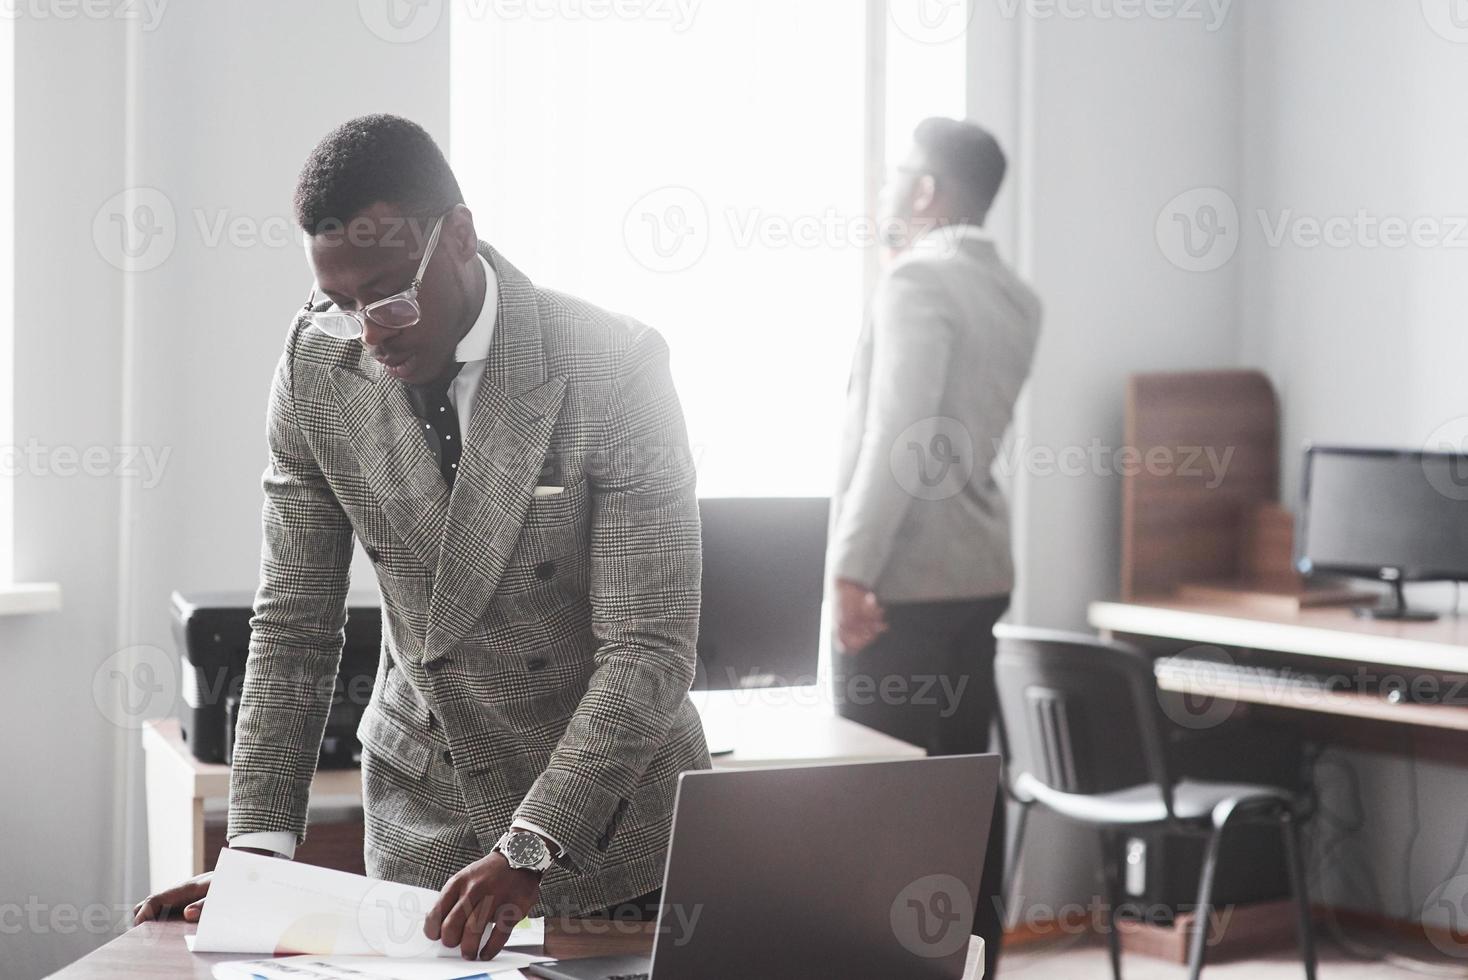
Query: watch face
point(525, 850)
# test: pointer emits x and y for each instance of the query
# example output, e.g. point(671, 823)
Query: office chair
point(1081, 736)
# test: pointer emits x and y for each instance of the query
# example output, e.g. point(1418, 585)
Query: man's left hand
point(487, 896)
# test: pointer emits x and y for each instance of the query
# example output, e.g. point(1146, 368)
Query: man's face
point(905, 201)
point(375, 256)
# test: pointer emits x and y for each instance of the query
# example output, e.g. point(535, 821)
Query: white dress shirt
point(472, 352)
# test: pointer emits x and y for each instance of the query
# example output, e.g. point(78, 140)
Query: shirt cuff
point(280, 841)
point(532, 828)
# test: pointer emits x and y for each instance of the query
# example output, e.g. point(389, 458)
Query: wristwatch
point(525, 851)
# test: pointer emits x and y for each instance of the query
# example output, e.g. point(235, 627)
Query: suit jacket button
point(448, 757)
point(371, 554)
point(545, 570)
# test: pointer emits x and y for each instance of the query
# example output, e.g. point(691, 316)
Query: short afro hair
point(372, 159)
point(967, 155)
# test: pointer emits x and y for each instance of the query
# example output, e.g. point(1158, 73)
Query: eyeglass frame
point(409, 295)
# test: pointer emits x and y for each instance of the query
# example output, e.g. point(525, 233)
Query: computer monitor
point(1394, 515)
point(763, 567)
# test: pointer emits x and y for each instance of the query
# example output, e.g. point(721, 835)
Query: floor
point(1087, 959)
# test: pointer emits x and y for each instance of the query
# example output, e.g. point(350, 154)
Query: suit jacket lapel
point(396, 461)
point(515, 411)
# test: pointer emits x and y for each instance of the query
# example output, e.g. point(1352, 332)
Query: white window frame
point(15, 598)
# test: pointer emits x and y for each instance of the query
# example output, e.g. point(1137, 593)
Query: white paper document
point(363, 968)
point(265, 905)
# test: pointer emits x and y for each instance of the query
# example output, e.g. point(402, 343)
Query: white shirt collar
point(953, 234)
point(946, 240)
point(476, 343)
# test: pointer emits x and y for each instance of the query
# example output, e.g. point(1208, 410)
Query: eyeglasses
point(906, 171)
point(396, 312)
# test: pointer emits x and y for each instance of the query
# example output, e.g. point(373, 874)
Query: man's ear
point(458, 235)
point(924, 192)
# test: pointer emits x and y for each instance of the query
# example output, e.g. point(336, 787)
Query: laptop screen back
point(866, 870)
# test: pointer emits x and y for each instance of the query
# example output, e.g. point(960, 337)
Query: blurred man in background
point(919, 555)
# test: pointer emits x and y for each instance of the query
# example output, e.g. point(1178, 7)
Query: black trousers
point(929, 680)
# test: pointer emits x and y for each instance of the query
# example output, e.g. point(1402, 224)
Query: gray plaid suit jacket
point(537, 650)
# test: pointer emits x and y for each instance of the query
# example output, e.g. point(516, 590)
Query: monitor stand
point(1399, 611)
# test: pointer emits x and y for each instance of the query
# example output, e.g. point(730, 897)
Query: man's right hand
point(188, 896)
point(860, 618)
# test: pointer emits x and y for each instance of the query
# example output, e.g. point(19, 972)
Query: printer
point(212, 630)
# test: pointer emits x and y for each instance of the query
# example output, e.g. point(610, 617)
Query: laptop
point(862, 870)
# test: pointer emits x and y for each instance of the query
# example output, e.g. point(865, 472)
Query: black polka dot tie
point(440, 422)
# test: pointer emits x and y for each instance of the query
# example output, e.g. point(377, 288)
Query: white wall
point(56, 769)
point(225, 102)
point(1309, 109)
point(1106, 120)
point(1126, 115)
point(1356, 106)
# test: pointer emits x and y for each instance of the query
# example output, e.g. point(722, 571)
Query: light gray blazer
point(917, 514)
point(537, 650)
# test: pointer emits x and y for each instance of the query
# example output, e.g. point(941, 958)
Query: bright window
point(926, 62)
point(700, 165)
point(702, 172)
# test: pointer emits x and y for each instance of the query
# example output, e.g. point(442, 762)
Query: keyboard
point(1285, 683)
point(1207, 670)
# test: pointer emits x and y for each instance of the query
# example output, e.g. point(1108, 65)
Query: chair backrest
point(1078, 714)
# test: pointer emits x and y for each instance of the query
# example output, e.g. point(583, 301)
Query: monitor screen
point(764, 564)
point(1366, 511)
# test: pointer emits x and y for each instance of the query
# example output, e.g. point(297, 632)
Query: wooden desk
point(790, 726)
point(1333, 638)
point(186, 810)
point(187, 798)
point(156, 951)
point(1334, 632)
point(1328, 642)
